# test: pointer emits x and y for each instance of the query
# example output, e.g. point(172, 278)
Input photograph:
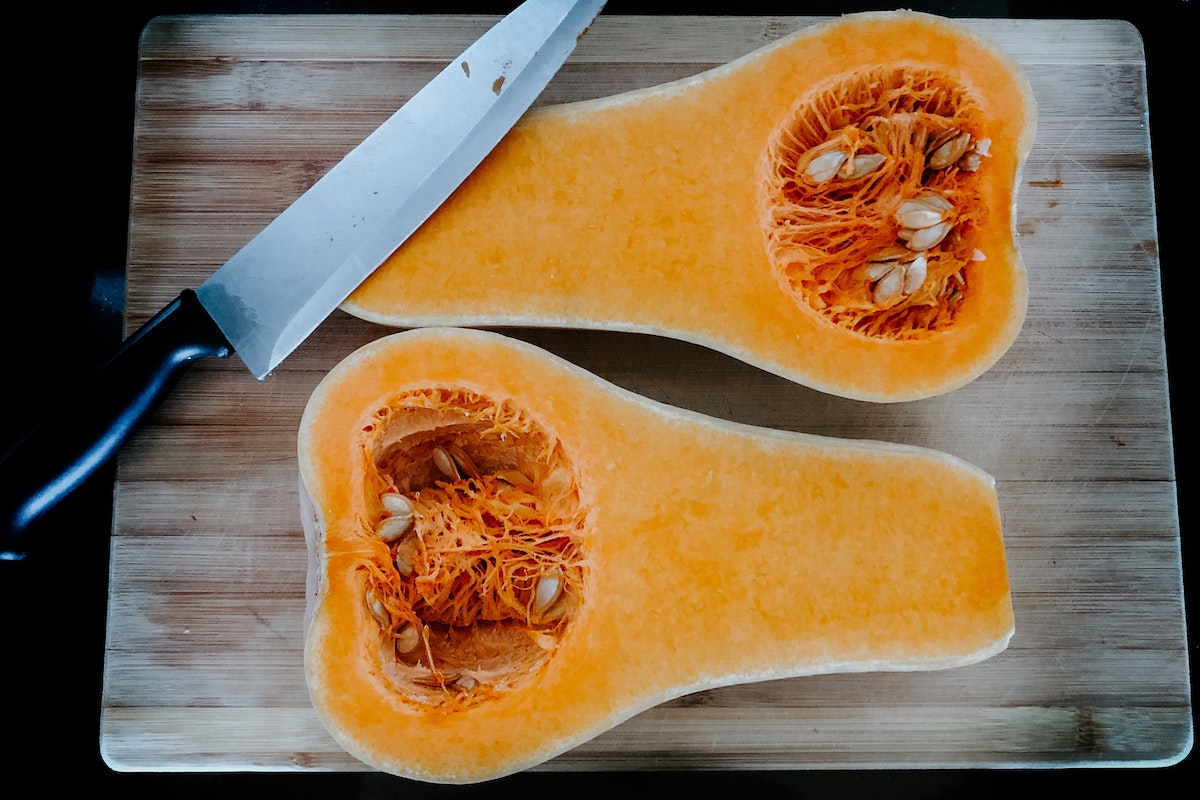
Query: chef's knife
point(275, 291)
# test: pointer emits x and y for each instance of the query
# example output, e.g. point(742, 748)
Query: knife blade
point(275, 291)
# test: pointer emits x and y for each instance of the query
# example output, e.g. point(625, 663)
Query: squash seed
point(895, 273)
point(862, 165)
point(923, 211)
point(878, 270)
point(437, 680)
point(376, 607)
point(548, 590)
point(405, 556)
point(825, 166)
point(464, 466)
point(445, 464)
point(925, 238)
point(884, 258)
point(949, 151)
point(888, 287)
point(408, 638)
point(396, 504)
point(514, 477)
point(392, 528)
point(914, 275)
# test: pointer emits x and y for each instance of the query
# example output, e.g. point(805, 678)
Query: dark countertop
point(74, 120)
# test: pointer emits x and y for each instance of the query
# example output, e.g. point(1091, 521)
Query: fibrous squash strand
point(879, 160)
point(480, 514)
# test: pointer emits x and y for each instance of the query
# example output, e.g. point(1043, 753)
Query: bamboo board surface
point(237, 115)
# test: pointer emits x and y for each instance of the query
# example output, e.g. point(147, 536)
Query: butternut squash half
point(836, 208)
point(510, 556)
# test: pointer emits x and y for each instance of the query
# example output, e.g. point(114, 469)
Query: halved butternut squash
point(836, 208)
point(509, 555)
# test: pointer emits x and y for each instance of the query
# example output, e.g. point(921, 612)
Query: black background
point(70, 119)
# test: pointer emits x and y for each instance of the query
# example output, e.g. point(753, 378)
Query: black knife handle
point(87, 431)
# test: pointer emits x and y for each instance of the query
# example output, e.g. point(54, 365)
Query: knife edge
point(278, 288)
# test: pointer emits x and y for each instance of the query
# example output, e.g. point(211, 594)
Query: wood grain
point(237, 115)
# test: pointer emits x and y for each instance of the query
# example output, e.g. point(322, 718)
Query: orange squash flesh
point(709, 552)
point(672, 211)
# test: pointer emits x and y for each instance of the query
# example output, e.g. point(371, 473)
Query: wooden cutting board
point(237, 115)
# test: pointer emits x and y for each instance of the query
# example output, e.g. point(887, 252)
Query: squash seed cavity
point(480, 523)
point(883, 161)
